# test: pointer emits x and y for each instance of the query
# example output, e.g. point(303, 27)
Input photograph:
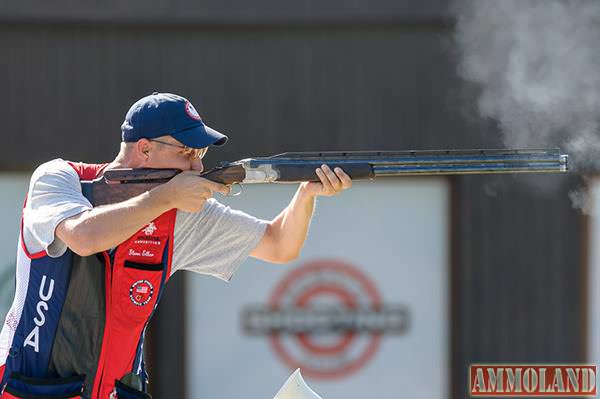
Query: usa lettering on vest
point(33, 339)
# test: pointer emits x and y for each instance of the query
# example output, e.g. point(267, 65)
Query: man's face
point(167, 152)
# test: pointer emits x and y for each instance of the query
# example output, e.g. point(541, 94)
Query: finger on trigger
point(223, 189)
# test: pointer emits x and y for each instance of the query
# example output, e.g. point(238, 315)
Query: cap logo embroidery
point(191, 111)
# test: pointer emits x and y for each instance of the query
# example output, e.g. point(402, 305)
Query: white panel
point(395, 232)
point(594, 275)
point(13, 187)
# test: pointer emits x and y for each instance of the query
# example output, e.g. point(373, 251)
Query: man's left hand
point(332, 182)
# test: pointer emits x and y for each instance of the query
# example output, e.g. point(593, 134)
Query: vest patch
point(141, 292)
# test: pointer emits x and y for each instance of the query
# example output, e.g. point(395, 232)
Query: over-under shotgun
point(292, 167)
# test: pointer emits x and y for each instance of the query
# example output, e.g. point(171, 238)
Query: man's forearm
point(286, 234)
point(105, 227)
point(291, 225)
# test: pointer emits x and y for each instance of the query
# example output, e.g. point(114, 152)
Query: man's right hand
point(188, 192)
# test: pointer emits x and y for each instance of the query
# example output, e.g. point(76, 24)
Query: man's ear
point(143, 149)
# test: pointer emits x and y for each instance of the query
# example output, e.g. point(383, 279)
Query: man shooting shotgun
point(89, 277)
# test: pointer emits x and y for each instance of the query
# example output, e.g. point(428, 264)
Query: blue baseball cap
point(162, 114)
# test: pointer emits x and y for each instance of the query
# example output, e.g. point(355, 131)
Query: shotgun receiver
point(292, 167)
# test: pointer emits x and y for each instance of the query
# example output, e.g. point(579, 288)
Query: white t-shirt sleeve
point(216, 240)
point(54, 195)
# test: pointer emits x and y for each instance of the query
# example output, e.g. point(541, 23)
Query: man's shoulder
point(52, 176)
point(56, 166)
point(57, 163)
point(67, 169)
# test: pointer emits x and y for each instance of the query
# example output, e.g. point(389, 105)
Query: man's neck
point(122, 161)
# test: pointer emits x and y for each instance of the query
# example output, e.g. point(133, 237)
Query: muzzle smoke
point(537, 63)
point(537, 66)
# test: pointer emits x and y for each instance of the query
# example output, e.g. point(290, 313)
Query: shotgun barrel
point(300, 166)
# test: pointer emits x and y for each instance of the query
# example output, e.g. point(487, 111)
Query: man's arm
point(105, 227)
point(285, 235)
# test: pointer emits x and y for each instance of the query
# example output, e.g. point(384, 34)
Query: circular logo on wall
point(141, 292)
point(327, 318)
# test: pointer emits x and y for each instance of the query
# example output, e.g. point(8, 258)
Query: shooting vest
point(80, 329)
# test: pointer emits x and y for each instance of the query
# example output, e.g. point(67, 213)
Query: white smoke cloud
point(583, 200)
point(537, 64)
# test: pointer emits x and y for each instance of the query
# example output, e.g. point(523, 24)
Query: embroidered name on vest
point(143, 253)
point(33, 339)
